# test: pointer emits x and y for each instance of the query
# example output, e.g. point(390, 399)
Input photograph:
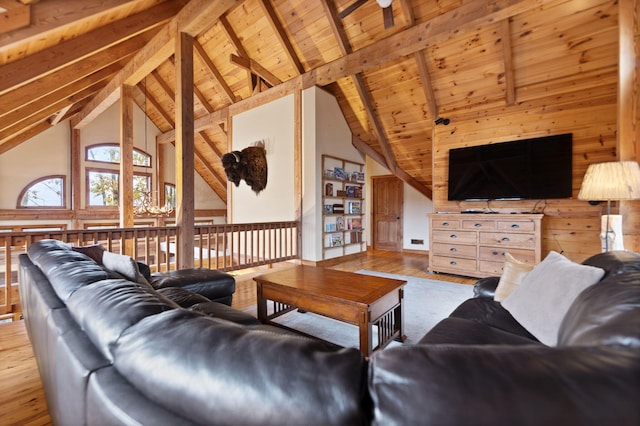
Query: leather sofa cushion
point(222, 311)
point(615, 262)
point(105, 309)
point(210, 283)
point(458, 331)
point(182, 297)
point(607, 313)
point(489, 312)
point(239, 375)
point(523, 385)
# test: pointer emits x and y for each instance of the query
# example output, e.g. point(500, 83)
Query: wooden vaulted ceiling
point(441, 58)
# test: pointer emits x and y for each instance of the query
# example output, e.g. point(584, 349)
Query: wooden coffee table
point(357, 299)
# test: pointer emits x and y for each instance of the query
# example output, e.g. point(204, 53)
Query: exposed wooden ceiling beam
point(66, 53)
point(202, 123)
point(363, 92)
point(256, 68)
point(62, 93)
point(59, 116)
point(215, 74)
point(285, 41)
point(423, 69)
point(53, 15)
point(194, 18)
point(507, 54)
point(236, 42)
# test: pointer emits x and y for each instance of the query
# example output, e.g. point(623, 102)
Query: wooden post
point(126, 163)
point(629, 109)
point(185, 163)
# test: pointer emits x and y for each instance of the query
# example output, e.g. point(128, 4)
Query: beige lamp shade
point(616, 180)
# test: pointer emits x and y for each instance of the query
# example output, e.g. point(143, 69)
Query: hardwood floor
point(22, 398)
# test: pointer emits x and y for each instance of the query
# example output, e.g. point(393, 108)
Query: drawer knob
point(453, 236)
point(515, 226)
point(445, 223)
point(478, 225)
point(453, 262)
point(505, 239)
point(453, 249)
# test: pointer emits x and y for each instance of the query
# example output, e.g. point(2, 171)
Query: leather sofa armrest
point(501, 385)
point(486, 287)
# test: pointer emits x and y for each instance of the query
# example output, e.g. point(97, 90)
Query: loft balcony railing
point(222, 247)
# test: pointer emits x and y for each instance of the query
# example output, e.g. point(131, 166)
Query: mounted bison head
point(249, 164)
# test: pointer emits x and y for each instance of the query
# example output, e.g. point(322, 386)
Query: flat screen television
point(537, 168)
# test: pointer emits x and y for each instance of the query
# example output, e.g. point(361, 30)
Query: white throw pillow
point(513, 274)
point(123, 265)
point(540, 303)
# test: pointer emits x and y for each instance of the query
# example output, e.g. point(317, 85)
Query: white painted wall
point(272, 123)
point(325, 131)
point(416, 208)
point(45, 154)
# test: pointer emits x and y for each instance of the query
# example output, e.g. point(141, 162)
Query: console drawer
point(453, 250)
point(505, 239)
point(451, 264)
point(445, 224)
point(496, 254)
point(516, 226)
point(479, 224)
point(453, 236)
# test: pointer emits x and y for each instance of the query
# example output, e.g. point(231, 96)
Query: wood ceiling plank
point(66, 53)
point(66, 76)
point(281, 34)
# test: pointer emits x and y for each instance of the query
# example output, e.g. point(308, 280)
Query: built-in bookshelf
point(343, 207)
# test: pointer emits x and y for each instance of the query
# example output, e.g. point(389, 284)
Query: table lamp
point(616, 180)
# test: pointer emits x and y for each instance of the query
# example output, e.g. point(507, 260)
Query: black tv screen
point(536, 168)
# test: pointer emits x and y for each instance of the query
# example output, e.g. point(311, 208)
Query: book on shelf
point(351, 191)
point(355, 237)
point(354, 223)
point(357, 177)
point(338, 173)
point(335, 240)
point(328, 174)
point(338, 208)
point(329, 227)
point(339, 223)
point(328, 189)
point(354, 207)
point(328, 209)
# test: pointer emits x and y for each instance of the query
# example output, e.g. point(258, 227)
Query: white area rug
point(426, 302)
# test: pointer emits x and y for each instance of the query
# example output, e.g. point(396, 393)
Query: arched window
point(110, 153)
point(46, 192)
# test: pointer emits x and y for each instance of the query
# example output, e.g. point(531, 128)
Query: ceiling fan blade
point(353, 6)
point(387, 16)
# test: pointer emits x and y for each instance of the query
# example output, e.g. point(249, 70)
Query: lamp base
point(611, 238)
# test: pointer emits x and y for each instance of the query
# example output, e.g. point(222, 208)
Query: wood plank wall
point(589, 108)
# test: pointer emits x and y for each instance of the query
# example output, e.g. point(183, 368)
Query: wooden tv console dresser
point(474, 244)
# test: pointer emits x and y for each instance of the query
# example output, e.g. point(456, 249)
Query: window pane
point(110, 153)
point(170, 195)
point(104, 153)
point(141, 188)
point(141, 159)
point(103, 189)
point(46, 193)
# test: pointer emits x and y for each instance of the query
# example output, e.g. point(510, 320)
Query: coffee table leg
point(399, 317)
point(366, 328)
point(262, 303)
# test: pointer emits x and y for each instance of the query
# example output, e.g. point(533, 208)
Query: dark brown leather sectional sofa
point(114, 351)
